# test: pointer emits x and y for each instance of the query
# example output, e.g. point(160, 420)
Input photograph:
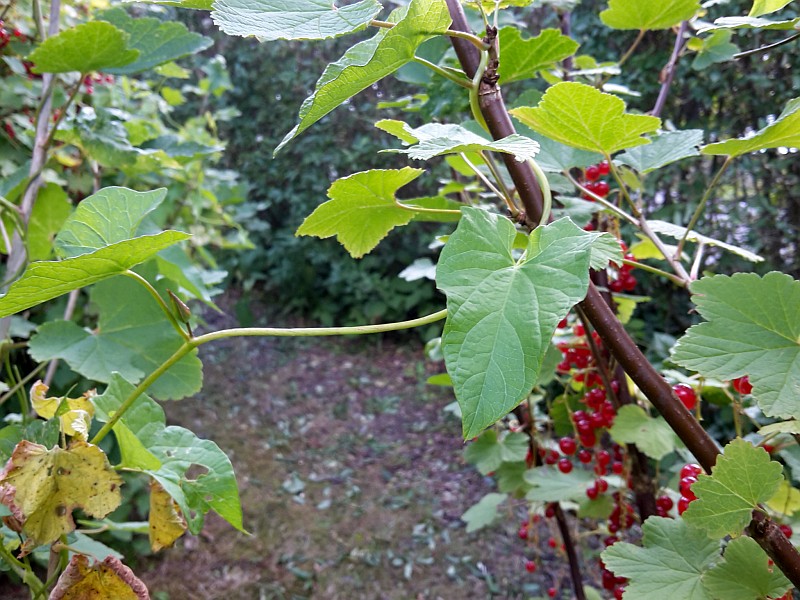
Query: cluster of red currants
point(593, 182)
point(6, 36)
point(612, 583)
point(624, 280)
point(89, 81)
point(689, 475)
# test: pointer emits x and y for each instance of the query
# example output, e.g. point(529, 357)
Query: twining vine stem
point(622, 347)
point(190, 344)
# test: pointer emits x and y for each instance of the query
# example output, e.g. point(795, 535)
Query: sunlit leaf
point(489, 451)
point(653, 436)
point(636, 14)
point(765, 7)
point(663, 149)
point(361, 209)
point(522, 59)
point(550, 485)
point(715, 48)
point(752, 23)
point(92, 46)
point(583, 117)
point(678, 232)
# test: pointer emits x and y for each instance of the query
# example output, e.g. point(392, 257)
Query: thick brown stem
point(612, 332)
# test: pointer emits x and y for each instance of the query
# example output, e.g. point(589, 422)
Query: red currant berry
point(567, 445)
point(522, 532)
point(530, 566)
point(592, 492)
point(742, 385)
point(683, 504)
point(552, 542)
point(665, 503)
point(552, 592)
point(601, 189)
point(603, 167)
point(685, 394)
point(562, 324)
point(610, 540)
point(588, 440)
point(592, 173)
point(584, 456)
point(686, 484)
point(603, 457)
point(786, 530)
point(551, 458)
point(602, 485)
point(578, 330)
point(617, 468)
point(691, 470)
point(609, 581)
point(618, 592)
point(549, 511)
point(565, 465)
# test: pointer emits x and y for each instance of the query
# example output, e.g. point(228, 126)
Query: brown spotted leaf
point(107, 579)
point(166, 520)
point(75, 421)
point(42, 487)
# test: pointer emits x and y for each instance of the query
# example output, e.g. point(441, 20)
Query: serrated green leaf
point(510, 478)
point(742, 478)
point(361, 210)
point(107, 217)
point(715, 48)
point(583, 117)
point(783, 131)
point(555, 157)
point(678, 232)
point(665, 148)
point(157, 41)
point(550, 485)
point(605, 249)
point(93, 46)
point(132, 338)
point(653, 436)
point(45, 280)
point(51, 209)
point(752, 23)
point(765, 7)
point(436, 139)
point(371, 60)
point(502, 312)
point(672, 563)
point(100, 136)
point(745, 573)
point(292, 19)
point(484, 513)
point(488, 452)
point(635, 14)
point(786, 500)
point(138, 426)
point(522, 59)
point(216, 489)
point(752, 328)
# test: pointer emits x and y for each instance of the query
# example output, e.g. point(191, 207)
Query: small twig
point(768, 47)
point(698, 260)
point(668, 72)
point(600, 200)
point(485, 180)
point(701, 206)
point(462, 81)
point(572, 555)
point(72, 302)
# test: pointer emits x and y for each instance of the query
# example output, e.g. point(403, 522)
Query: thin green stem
point(4, 398)
point(701, 207)
point(623, 188)
point(62, 115)
point(656, 271)
point(497, 174)
point(433, 211)
point(193, 343)
point(547, 197)
point(317, 331)
point(462, 81)
point(768, 47)
point(674, 262)
point(187, 347)
point(154, 293)
point(600, 200)
point(486, 181)
point(474, 101)
point(633, 47)
point(473, 39)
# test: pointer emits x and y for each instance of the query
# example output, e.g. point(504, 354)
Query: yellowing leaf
point(42, 487)
point(166, 521)
point(786, 500)
point(107, 579)
point(80, 413)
